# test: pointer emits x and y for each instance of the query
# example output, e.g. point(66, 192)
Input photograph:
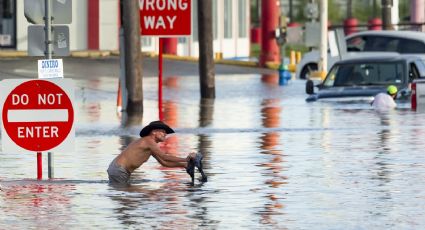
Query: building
point(95, 26)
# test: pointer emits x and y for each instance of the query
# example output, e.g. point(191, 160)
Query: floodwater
point(273, 161)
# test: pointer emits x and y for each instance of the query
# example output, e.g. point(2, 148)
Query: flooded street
point(273, 162)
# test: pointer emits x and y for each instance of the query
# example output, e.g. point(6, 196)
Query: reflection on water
point(130, 120)
point(206, 112)
point(273, 161)
point(37, 205)
point(270, 215)
point(271, 79)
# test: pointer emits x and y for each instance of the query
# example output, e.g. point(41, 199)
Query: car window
point(330, 78)
point(411, 46)
point(389, 73)
point(386, 44)
point(365, 74)
point(413, 72)
point(344, 75)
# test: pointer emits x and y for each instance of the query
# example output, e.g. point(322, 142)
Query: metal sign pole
point(50, 165)
point(160, 113)
point(48, 55)
point(48, 28)
point(39, 166)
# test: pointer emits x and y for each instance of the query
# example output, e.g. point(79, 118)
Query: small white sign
point(61, 41)
point(50, 68)
point(5, 39)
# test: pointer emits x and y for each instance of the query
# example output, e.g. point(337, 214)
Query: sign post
point(48, 28)
point(39, 166)
point(165, 19)
point(160, 111)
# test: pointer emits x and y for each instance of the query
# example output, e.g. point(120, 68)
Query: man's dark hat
point(155, 125)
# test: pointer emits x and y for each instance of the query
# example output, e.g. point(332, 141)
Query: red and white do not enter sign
point(37, 115)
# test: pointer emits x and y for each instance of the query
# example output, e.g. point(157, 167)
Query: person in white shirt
point(385, 101)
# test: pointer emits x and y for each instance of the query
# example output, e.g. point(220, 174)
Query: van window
point(385, 44)
point(411, 46)
point(421, 68)
point(356, 44)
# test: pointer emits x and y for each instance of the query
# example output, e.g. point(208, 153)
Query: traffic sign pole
point(39, 166)
point(50, 166)
point(48, 54)
point(48, 28)
point(160, 113)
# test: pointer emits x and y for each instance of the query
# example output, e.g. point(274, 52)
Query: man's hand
point(191, 155)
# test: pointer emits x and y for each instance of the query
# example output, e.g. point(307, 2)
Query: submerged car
point(366, 77)
point(403, 42)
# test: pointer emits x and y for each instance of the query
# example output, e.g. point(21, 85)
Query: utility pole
point(386, 14)
point(132, 52)
point(206, 59)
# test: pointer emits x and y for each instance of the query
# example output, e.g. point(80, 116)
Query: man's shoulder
point(383, 96)
point(145, 141)
point(383, 100)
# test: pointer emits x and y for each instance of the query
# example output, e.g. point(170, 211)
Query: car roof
point(414, 35)
point(378, 58)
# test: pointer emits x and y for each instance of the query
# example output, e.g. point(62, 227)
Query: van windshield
point(368, 73)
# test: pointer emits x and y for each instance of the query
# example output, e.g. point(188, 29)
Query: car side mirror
point(405, 92)
point(309, 87)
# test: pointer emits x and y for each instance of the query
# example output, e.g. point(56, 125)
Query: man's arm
point(170, 164)
point(158, 153)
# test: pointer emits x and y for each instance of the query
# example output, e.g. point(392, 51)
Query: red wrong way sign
point(37, 115)
point(165, 17)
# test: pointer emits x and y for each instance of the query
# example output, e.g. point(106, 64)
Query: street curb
point(91, 54)
point(220, 61)
point(83, 53)
point(272, 65)
point(12, 53)
point(106, 53)
point(238, 63)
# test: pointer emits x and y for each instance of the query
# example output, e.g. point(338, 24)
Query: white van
point(404, 42)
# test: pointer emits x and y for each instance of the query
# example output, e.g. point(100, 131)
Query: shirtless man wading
point(139, 151)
